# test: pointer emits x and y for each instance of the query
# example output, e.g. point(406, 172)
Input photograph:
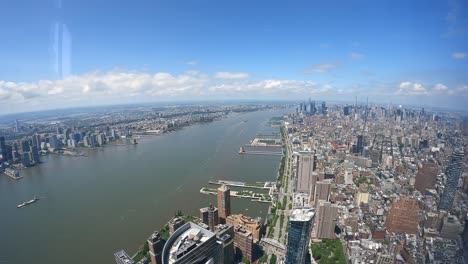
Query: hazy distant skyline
point(57, 54)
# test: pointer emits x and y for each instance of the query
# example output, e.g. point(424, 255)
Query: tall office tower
point(9, 153)
point(67, 133)
point(299, 229)
point(17, 125)
point(25, 146)
point(209, 216)
point(192, 244)
point(25, 159)
point(121, 257)
point(59, 131)
point(305, 183)
point(243, 242)
point(359, 144)
point(403, 216)
point(326, 219)
point(3, 149)
point(93, 140)
point(224, 203)
point(426, 177)
point(54, 142)
point(453, 172)
point(37, 140)
point(253, 225)
point(86, 141)
point(175, 223)
point(313, 109)
point(322, 191)
point(324, 108)
point(346, 110)
point(76, 137)
point(155, 245)
point(35, 154)
point(300, 107)
point(225, 234)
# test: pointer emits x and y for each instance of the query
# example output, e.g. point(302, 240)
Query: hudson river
point(117, 195)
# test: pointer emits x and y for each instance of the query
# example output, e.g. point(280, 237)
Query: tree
point(273, 259)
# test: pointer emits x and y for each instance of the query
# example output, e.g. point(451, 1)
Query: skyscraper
point(37, 140)
point(17, 126)
point(25, 146)
point(426, 177)
point(175, 223)
point(322, 191)
point(155, 245)
point(35, 154)
point(192, 244)
point(453, 172)
point(224, 203)
point(360, 144)
point(243, 242)
point(299, 229)
point(403, 216)
point(225, 234)
point(305, 181)
point(25, 159)
point(3, 149)
point(326, 219)
point(209, 216)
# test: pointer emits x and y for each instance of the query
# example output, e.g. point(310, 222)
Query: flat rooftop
point(191, 238)
point(302, 214)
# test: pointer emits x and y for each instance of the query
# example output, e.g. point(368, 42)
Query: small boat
point(35, 199)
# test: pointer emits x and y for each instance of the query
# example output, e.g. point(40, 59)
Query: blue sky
point(72, 53)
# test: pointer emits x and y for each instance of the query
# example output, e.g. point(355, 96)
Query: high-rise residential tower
point(299, 230)
point(209, 216)
point(326, 219)
point(453, 173)
point(224, 203)
point(155, 245)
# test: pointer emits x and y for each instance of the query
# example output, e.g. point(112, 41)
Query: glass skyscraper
point(299, 231)
point(453, 173)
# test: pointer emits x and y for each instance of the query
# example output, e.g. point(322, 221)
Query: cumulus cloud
point(459, 55)
point(231, 75)
point(355, 55)
point(320, 68)
point(440, 87)
point(412, 88)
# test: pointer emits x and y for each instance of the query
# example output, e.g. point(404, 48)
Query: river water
point(117, 195)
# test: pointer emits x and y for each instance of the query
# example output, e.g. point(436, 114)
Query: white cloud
point(231, 75)
point(412, 88)
point(192, 63)
point(355, 55)
point(459, 55)
point(440, 87)
point(320, 68)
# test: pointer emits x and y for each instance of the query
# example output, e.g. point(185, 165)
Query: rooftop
point(192, 237)
point(302, 214)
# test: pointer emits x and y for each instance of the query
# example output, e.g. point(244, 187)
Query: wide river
point(117, 195)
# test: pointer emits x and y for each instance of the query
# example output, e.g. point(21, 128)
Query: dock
point(14, 174)
point(256, 185)
point(254, 152)
point(254, 197)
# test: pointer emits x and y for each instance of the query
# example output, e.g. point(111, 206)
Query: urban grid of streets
point(391, 182)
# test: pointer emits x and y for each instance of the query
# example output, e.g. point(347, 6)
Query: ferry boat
point(35, 199)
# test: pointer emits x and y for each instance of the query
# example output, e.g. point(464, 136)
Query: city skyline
point(91, 54)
